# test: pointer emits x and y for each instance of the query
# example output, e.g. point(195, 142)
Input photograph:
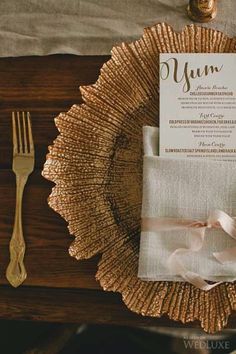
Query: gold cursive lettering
point(186, 75)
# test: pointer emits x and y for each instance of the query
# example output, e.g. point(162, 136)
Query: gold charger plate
point(96, 164)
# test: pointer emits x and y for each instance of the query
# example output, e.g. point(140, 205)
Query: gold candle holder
point(202, 10)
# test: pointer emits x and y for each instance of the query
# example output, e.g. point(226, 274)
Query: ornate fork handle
point(16, 272)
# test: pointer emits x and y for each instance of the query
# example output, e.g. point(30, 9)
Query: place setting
point(157, 203)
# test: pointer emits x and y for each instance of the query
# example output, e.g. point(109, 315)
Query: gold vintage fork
point(23, 165)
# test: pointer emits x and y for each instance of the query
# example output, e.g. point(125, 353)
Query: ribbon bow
point(217, 220)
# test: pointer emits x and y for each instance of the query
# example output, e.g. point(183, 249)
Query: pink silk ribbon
point(217, 220)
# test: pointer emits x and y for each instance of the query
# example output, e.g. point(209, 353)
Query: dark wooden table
point(58, 288)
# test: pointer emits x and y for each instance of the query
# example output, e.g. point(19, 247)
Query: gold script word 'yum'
point(186, 75)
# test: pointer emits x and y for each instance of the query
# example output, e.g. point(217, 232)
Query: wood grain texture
point(45, 86)
point(72, 306)
point(47, 238)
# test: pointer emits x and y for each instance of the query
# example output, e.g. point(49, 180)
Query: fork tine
point(14, 134)
point(31, 142)
point(25, 136)
point(19, 131)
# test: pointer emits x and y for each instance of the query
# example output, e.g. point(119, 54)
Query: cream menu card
point(198, 105)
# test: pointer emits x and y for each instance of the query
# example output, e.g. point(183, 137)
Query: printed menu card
point(198, 106)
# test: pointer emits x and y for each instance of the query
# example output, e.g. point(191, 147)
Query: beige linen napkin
point(91, 27)
point(184, 188)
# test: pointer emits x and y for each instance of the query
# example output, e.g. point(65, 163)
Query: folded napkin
point(185, 189)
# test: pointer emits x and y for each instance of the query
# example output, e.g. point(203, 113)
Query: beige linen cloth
point(91, 27)
point(190, 189)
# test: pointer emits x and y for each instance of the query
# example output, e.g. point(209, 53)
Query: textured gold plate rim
point(96, 162)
